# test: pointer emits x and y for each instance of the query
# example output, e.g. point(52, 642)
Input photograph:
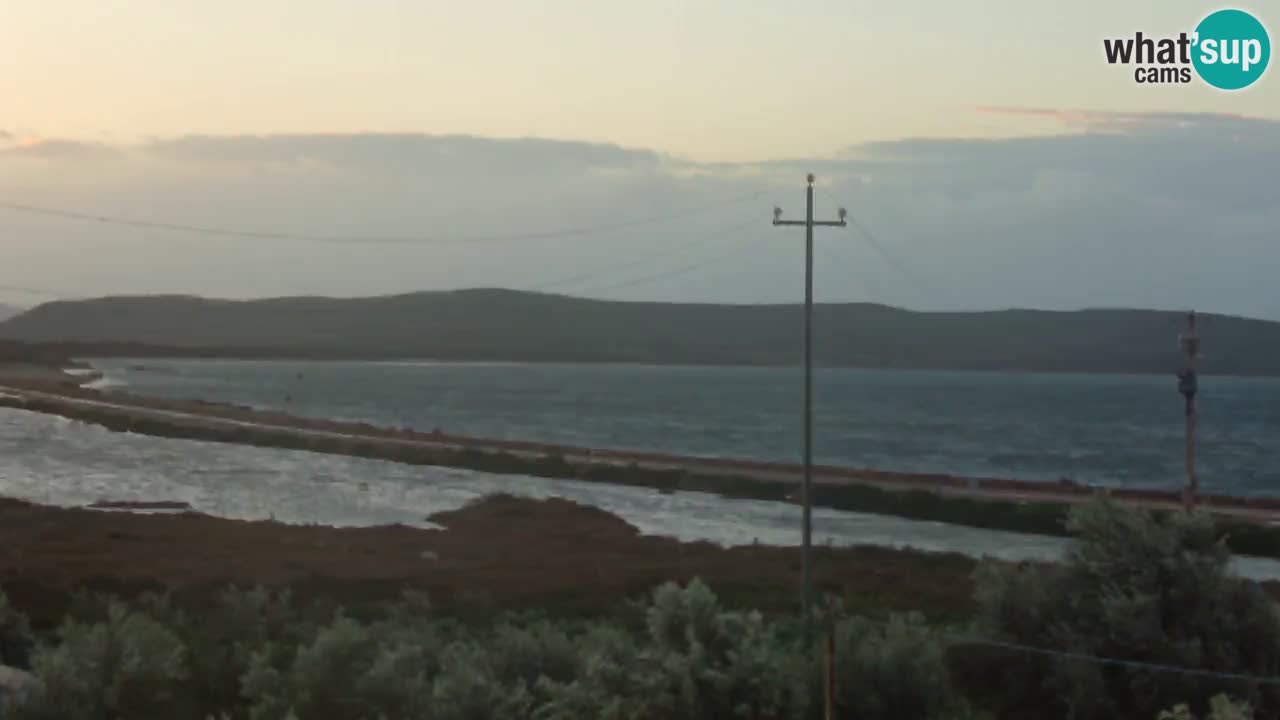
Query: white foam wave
point(57, 462)
point(105, 383)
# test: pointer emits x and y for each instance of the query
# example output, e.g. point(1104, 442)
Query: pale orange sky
point(377, 117)
point(701, 79)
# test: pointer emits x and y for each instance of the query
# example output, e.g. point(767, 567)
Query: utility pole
point(829, 696)
point(806, 489)
point(1188, 385)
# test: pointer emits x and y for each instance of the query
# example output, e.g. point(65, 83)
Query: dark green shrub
point(891, 670)
point(223, 641)
point(16, 641)
point(129, 666)
point(1221, 707)
point(1133, 587)
point(347, 671)
point(704, 661)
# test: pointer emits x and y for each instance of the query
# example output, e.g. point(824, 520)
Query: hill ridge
point(487, 324)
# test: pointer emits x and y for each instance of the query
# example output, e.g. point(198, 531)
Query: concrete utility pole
point(1188, 385)
point(806, 494)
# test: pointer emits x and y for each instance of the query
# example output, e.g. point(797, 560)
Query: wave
point(51, 461)
point(105, 381)
point(1096, 429)
point(80, 372)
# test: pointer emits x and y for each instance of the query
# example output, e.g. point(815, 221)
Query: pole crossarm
point(816, 223)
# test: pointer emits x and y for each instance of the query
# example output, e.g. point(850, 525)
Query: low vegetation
point(1141, 589)
point(1152, 595)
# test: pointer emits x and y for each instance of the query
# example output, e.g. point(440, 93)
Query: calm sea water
point(1117, 430)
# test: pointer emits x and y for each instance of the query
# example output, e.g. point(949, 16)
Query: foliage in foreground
point(679, 655)
point(1134, 587)
point(1221, 707)
point(16, 641)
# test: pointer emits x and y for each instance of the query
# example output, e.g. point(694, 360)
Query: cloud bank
point(1166, 210)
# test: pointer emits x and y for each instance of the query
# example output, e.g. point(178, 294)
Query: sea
point(1112, 430)
point(1107, 429)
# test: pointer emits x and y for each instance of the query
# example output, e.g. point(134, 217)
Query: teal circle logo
point(1232, 49)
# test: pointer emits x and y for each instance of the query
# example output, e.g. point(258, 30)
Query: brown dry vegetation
point(502, 552)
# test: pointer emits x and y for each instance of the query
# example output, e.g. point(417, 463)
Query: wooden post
point(806, 486)
point(830, 679)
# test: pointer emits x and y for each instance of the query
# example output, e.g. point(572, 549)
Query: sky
point(987, 153)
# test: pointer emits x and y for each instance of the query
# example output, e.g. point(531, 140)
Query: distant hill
point(8, 311)
point(518, 326)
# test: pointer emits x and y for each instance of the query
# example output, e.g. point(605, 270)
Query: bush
point(346, 671)
point(707, 662)
point(470, 690)
point(509, 672)
point(692, 659)
point(1220, 708)
point(15, 636)
point(893, 670)
point(1133, 587)
point(223, 641)
point(128, 666)
point(610, 679)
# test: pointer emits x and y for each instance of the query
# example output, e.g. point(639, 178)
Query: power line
point(845, 260)
point(889, 258)
point(901, 268)
point(373, 239)
point(673, 272)
point(978, 640)
point(710, 240)
point(1132, 664)
point(635, 261)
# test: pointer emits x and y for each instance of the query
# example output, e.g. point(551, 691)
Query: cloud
point(1110, 121)
point(52, 148)
point(1123, 209)
point(405, 153)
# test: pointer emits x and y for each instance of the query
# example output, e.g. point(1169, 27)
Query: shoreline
point(73, 387)
point(986, 503)
point(199, 354)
